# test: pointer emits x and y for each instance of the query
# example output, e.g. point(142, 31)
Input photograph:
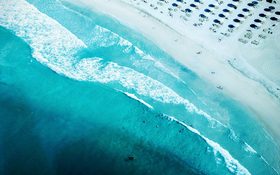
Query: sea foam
point(231, 163)
point(138, 99)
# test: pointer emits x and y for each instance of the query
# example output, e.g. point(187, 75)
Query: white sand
point(175, 42)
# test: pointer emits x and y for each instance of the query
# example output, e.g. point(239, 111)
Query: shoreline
point(235, 85)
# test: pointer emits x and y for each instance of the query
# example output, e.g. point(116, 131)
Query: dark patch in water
point(22, 149)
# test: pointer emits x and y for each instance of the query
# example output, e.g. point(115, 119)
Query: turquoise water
point(80, 93)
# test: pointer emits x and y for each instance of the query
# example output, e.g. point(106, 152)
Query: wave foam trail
point(138, 99)
point(106, 38)
point(232, 164)
point(53, 45)
point(40, 31)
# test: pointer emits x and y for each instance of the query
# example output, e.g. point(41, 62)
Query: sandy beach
point(198, 57)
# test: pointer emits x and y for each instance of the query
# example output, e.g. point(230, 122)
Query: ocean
point(81, 93)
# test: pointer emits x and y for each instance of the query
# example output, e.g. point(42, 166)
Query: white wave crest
point(138, 99)
point(106, 38)
point(231, 163)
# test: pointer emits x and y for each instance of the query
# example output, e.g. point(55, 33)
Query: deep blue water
point(67, 78)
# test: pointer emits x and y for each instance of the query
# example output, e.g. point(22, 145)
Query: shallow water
point(80, 93)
